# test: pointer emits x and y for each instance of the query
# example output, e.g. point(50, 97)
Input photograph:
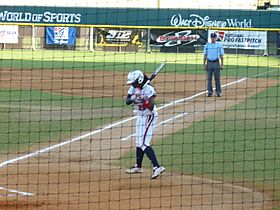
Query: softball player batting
point(142, 96)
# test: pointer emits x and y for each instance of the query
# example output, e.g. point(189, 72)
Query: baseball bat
point(154, 74)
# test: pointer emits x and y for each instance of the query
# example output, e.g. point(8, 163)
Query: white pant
point(144, 130)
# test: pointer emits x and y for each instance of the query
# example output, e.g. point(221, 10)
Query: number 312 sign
point(119, 35)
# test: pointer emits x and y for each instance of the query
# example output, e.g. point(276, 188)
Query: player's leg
point(157, 169)
point(137, 168)
point(152, 156)
point(139, 157)
point(209, 78)
point(147, 138)
point(140, 128)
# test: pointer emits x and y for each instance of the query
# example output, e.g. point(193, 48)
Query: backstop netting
point(68, 137)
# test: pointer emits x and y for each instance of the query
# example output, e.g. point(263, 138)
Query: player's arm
point(130, 96)
point(129, 99)
point(149, 103)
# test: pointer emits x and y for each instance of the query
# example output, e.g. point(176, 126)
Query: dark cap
point(213, 35)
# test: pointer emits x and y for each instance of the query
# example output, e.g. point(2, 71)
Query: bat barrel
point(154, 74)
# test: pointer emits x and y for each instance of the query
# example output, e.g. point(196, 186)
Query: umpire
point(213, 52)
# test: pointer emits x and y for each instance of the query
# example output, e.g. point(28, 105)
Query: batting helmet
point(135, 76)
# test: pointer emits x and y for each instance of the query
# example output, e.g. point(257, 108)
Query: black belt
point(213, 61)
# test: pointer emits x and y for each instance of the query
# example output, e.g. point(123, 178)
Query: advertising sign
point(46, 17)
point(118, 37)
point(196, 20)
point(61, 35)
point(164, 38)
point(9, 34)
point(255, 40)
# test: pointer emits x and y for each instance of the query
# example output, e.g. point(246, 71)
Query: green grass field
point(235, 65)
point(29, 117)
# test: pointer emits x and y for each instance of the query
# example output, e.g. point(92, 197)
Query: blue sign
point(61, 35)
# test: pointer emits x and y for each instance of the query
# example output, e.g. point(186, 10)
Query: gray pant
point(213, 68)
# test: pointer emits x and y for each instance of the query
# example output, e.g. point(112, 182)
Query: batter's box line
point(161, 123)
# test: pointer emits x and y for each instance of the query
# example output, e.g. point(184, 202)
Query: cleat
point(134, 170)
point(158, 171)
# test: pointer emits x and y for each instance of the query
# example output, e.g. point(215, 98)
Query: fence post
point(91, 47)
point(148, 50)
point(33, 38)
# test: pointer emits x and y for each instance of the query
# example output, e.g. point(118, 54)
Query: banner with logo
point(61, 35)
point(9, 34)
point(255, 40)
point(176, 38)
point(118, 37)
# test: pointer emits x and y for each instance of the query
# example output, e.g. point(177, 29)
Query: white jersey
point(147, 92)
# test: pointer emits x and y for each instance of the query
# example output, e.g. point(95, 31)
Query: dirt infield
point(80, 175)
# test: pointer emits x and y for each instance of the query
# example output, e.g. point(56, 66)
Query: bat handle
point(146, 83)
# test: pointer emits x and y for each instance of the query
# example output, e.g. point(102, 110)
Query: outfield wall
point(94, 24)
point(141, 18)
point(202, 4)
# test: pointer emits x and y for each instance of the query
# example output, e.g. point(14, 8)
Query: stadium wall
point(89, 21)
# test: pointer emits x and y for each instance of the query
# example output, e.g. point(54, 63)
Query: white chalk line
point(172, 103)
point(267, 72)
point(64, 143)
point(161, 123)
point(98, 131)
point(16, 192)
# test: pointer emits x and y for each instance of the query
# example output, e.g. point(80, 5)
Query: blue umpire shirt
point(213, 51)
